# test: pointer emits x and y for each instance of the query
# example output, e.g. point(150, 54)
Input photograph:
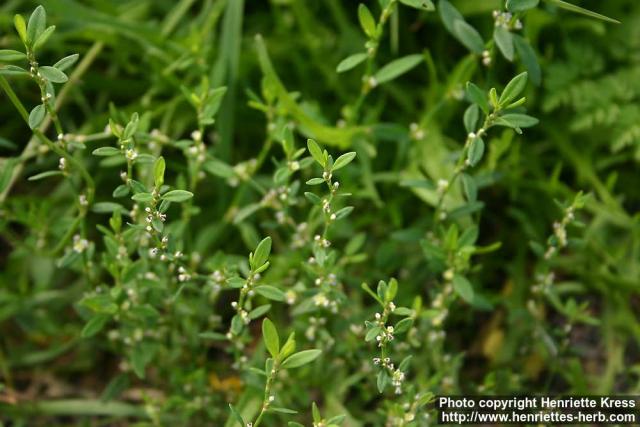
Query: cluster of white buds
point(293, 165)
point(543, 282)
point(416, 132)
point(290, 296)
point(385, 335)
point(435, 336)
point(321, 241)
point(183, 274)
point(486, 58)
point(131, 154)
point(371, 81)
point(80, 244)
point(442, 186)
point(62, 164)
point(299, 237)
point(439, 319)
point(82, 199)
point(559, 229)
point(397, 379)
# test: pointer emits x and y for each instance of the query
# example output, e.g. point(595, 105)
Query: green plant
point(167, 150)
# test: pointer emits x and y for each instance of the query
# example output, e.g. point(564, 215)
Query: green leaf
point(316, 152)
point(37, 24)
point(468, 36)
point(42, 38)
point(351, 61)
point(463, 287)
point(106, 151)
point(420, 4)
point(477, 96)
point(313, 198)
point(521, 5)
point(577, 9)
point(397, 67)
point(177, 196)
point(471, 116)
point(528, 58)
point(315, 181)
point(271, 338)
point(237, 416)
point(43, 175)
point(158, 172)
point(469, 187)
point(476, 151)
point(259, 311)
point(219, 168)
point(261, 254)
point(381, 380)
point(315, 412)
point(343, 160)
point(513, 89)
point(282, 410)
point(107, 207)
point(504, 41)
point(520, 120)
point(53, 74)
point(66, 62)
point(301, 358)
point(8, 55)
point(142, 197)
point(367, 22)
point(21, 28)
point(270, 292)
point(36, 116)
point(94, 325)
point(449, 15)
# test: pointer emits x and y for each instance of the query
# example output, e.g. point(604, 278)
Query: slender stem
point(31, 147)
point(267, 392)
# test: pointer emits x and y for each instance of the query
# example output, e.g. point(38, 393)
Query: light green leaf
point(261, 254)
point(343, 160)
point(177, 196)
point(66, 62)
point(351, 61)
point(270, 292)
point(53, 74)
point(420, 4)
point(42, 38)
point(142, 197)
point(577, 9)
point(397, 67)
point(106, 151)
point(21, 28)
point(521, 5)
point(504, 41)
point(476, 151)
point(468, 36)
point(520, 120)
point(8, 55)
point(94, 325)
point(271, 338)
point(477, 96)
point(463, 287)
point(36, 116)
point(43, 175)
point(37, 24)
point(301, 358)
point(529, 59)
point(367, 22)
point(316, 152)
point(513, 89)
point(158, 172)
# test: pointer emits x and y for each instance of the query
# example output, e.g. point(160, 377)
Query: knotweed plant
point(212, 186)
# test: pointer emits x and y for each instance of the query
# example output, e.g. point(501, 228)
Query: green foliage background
point(142, 56)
